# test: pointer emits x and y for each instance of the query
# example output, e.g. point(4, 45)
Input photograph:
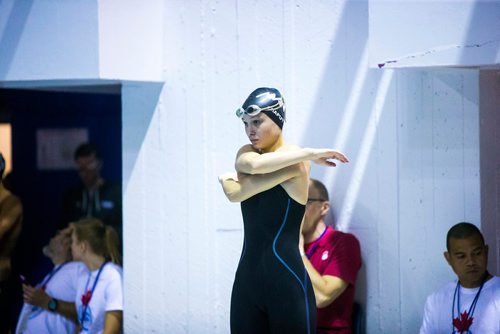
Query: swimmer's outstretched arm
point(249, 161)
point(239, 187)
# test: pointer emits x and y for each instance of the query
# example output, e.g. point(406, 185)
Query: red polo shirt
point(336, 254)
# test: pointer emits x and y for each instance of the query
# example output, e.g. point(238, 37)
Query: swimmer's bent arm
point(249, 161)
point(239, 187)
point(13, 210)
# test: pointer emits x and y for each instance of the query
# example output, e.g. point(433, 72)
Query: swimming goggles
point(254, 109)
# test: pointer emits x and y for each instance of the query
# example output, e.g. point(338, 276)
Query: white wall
point(416, 33)
point(406, 133)
point(80, 40)
point(412, 137)
point(130, 39)
point(43, 39)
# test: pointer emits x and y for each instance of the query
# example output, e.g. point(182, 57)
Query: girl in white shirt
point(99, 298)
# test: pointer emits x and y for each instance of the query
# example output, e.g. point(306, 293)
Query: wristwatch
point(52, 305)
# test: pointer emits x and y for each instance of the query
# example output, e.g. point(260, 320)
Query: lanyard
point(315, 244)
point(47, 279)
point(463, 321)
point(87, 296)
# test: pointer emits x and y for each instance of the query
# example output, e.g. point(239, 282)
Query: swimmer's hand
point(228, 176)
point(324, 157)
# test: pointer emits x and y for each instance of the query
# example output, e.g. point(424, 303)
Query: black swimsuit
point(272, 292)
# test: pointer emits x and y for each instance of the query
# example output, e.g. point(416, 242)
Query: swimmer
point(272, 292)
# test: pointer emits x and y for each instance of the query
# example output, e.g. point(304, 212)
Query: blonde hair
point(102, 239)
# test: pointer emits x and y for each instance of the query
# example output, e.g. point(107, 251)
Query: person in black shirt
point(95, 196)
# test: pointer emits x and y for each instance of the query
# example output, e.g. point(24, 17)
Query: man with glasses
point(332, 259)
point(95, 196)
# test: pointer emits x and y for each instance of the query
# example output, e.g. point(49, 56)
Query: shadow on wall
point(12, 33)
point(338, 105)
point(485, 14)
point(345, 96)
point(362, 229)
point(139, 103)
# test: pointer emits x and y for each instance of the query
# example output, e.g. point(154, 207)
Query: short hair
point(462, 230)
point(2, 165)
point(320, 187)
point(85, 150)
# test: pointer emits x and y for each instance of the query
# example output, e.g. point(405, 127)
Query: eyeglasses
point(310, 200)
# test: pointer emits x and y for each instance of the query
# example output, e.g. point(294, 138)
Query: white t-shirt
point(61, 286)
point(438, 314)
point(107, 296)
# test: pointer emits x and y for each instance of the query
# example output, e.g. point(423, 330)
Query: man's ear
point(447, 256)
point(325, 208)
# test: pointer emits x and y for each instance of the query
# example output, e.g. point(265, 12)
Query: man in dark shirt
point(95, 197)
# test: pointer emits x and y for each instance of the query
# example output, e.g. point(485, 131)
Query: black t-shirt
point(104, 204)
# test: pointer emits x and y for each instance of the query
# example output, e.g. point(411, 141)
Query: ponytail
point(112, 245)
point(102, 239)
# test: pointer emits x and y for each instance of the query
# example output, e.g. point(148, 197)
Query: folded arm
point(250, 162)
point(239, 187)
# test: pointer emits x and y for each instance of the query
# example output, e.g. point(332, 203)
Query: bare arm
point(239, 187)
point(38, 297)
point(249, 161)
point(326, 288)
point(11, 213)
point(113, 322)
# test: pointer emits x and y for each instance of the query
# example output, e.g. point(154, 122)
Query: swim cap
point(266, 100)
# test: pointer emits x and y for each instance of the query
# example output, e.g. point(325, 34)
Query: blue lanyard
point(313, 247)
point(82, 318)
point(472, 307)
point(47, 279)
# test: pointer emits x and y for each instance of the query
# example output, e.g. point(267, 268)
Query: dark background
point(39, 190)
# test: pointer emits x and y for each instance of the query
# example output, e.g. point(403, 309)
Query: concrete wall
point(406, 133)
point(43, 40)
point(80, 40)
point(412, 137)
point(416, 33)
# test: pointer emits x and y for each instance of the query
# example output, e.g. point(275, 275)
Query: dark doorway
point(94, 111)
